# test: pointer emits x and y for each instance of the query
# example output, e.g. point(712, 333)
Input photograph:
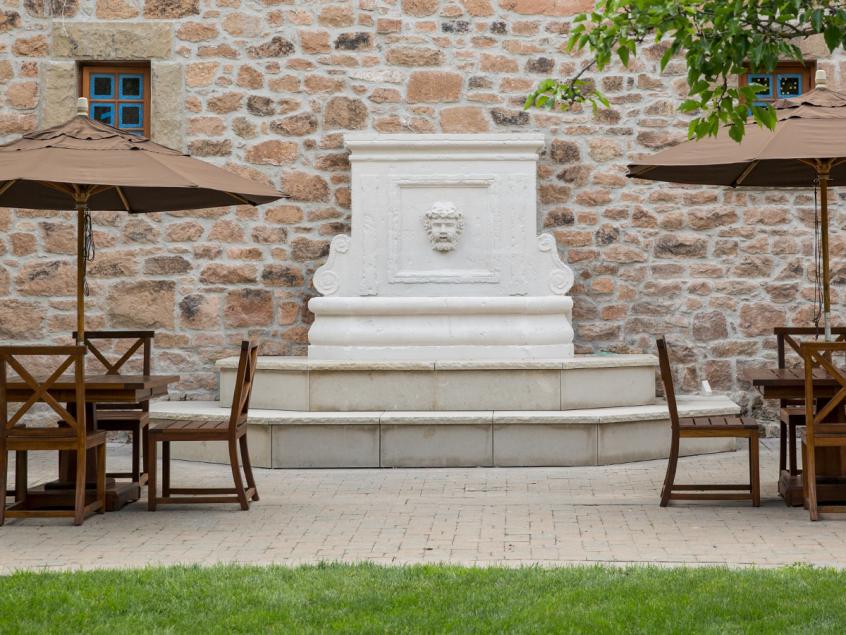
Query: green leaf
point(666, 57)
point(689, 105)
point(736, 132)
point(817, 20)
point(832, 35)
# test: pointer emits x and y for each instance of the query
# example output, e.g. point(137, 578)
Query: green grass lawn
point(425, 599)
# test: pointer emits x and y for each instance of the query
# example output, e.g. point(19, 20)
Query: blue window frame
point(764, 80)
point(102, 112)
point(130, 86)
point(118, 96)
point(131, 116)
point(788, 85)
point(102, 86)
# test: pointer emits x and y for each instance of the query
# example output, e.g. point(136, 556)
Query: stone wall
point(268, 88)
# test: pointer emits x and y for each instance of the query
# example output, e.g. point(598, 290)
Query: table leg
point(67, 459)
point(57, 493)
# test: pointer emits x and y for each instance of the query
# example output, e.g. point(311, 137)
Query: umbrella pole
point(81, 208)
point(823, 173)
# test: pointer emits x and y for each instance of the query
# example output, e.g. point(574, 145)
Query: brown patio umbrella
point(807, 147)
point(88, 165)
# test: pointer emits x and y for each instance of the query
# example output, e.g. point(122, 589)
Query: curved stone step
point(584, 381)
point(594, 436)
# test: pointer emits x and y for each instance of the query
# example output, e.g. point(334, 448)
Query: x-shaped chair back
point(786, 342)
point(819, 355)
point(70, 357)
point(143, 341)
point(243, 385)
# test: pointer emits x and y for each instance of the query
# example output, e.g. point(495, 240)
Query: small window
point(789, 79)
point(118, 96)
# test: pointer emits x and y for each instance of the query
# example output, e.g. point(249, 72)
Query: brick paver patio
point(468, 516)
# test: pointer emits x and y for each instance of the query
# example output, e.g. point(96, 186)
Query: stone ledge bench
point(578, 437)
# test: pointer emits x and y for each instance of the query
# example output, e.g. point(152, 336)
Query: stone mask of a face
point(444, 225)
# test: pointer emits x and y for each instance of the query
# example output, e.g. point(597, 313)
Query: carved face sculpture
point(444, 225)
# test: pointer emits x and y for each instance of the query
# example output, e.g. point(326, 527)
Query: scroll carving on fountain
point(444, 261)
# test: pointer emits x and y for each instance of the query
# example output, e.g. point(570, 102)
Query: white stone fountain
point(444, 262)
point(444, 334)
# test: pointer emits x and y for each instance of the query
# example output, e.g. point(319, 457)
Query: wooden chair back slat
point(243, 384)
point(667, 380)
point(143, 341)
point(817, 355)
point(784, 335)
point(10, 357)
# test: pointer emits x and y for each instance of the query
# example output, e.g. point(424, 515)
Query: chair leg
point(782, 447)
point(248, 467)
point(165, 468)
point(236, 475)
point(809, 477)
point(79, 498)
point(754, 473)
point(136, 454)
point(670, 477)
point(151, 473)
point(101, 478)
point(791, 439)
point(4, 468)
point(21, 475)
point(804, 474)
point(145, 434)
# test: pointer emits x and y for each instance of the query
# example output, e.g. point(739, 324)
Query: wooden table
point(789, 383)
point(98, 389)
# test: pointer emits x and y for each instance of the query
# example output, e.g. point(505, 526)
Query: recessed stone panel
point(433, 445)
point(272, 390)
point(646, 440)
point(498, 389)
point(259, 436)
point(371, 390)
point(530, 445)
point(607, 387)
point(315, 445)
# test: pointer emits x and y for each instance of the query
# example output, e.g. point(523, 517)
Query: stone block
point(560, 445)
point(645, 440)
point(371, 390)
point(167, 116)
point(437, 440)
point(607, 387)
point(111, 40)
point(58, 92)
point(272, 390)
point(507, 389)
point(326, 446)
point(259, 439)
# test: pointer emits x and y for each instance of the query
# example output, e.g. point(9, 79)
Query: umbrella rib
point(7, 185)
point(739, 180)
point(644, 169)
point(240, 199)
point(59, 187)
point(122, 198)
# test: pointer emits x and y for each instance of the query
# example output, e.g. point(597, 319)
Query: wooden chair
point(16, 436)
point(706, 427)
point(818, 433)
point(232, 432)
point(792, 411)
point(133, 418)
